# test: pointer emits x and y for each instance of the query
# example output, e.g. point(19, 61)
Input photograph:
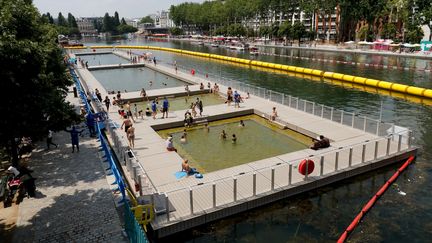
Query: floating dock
point(358, 145)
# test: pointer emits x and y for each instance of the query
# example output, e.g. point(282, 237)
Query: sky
point(98, 8)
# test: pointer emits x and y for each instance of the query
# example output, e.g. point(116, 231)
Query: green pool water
point(184, 102)
point(134, 79)
point(257, 140)
point(102, 59)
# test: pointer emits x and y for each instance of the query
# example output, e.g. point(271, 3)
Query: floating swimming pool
point(257, 140)
point(184, 102)
point(134, 79)
point(102, 59)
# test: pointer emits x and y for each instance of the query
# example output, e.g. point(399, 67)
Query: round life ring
point(310, 166)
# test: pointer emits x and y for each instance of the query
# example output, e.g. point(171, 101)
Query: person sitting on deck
point(185, 166)
point(323, 142)
point(169, 144)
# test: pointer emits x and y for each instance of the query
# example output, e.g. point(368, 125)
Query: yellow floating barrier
point(372, 82)
point(428, 93)
point(337, 76)
point(348, 78)
point(359, 80)
point(415, 90)
point(399, 88)
point(365, 82)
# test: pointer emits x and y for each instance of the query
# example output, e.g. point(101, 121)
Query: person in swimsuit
point(229, 96)
point(126, 123)
point(223, 135)
point(131, 136)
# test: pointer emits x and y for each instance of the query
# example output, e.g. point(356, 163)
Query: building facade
point(86, 26)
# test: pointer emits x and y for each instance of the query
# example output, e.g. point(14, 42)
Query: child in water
point(241, 123)
point(234, 138)
point(223, 135)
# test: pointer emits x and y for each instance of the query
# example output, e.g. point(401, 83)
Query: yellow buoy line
point(396, 87)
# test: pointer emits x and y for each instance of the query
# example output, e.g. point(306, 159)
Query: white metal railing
point(284, 174)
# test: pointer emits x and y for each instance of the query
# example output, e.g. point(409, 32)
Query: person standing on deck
point(107, 102)
point(199, 105)
point(49, 140)
point(131, 136)
point(165, 106)
point(154, 109)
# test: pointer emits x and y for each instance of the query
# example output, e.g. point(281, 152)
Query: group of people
point(234, 97)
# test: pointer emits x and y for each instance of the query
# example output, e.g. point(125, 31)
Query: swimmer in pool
point(207, 127)
point(241, 123)
point(223, 135)
point(183, 139)
point(234, 138)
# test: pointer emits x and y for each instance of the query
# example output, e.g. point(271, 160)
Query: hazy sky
point(95, 8)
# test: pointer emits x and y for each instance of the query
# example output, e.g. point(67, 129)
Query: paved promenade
point(74, 202)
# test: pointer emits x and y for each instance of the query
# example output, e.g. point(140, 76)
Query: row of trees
point(363, 19)
point(33, 75)
point(64, 26)
point(69, 26)
point(114, 25)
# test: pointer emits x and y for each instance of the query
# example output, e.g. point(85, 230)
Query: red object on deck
point(310, 166)
point(372, 201)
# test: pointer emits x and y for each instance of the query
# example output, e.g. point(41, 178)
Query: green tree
point(298, 31)
point(32, 74)
point(147, 19)
point(286, 30)
point(176, 31)
point(116, 19)
point(108, 23)
point(124, 28)
point(123, 22)
point(72, 21)
point(61, 21)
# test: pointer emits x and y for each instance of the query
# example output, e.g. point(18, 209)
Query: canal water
point(403, 214)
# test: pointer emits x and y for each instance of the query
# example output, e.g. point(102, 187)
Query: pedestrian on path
point(49, 139)
point(91, 122)
point(107, 102)
point(75, 138)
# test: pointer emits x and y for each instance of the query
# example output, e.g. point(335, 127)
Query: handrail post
point(322, 165)
point(290, 175)
point(342, 116)
point(313, 108)
point(409, 138)
point(322, 111)
point(297, 103)
point(364, 124)
point(191, 200)
point(388, 146)
point(272, 178)
point(307, 170)
point(304, 105)
point(376, 149)
point(331, 114)
point(353, 118)
point(378, 127)
point(283, 99)
point(363, 153)
point(254, 184)
point(350, 157)
point(289, 101)
point(167, 207)
point(235, 189)
point(214, 194)
point(337, 161)
point(140, 185)
point(399, 143)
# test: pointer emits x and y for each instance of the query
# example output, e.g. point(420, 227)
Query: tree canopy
point(147, 19)
point(33, 75)
point(370, 18)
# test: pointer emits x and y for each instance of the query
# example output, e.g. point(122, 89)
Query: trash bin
point(75, 92)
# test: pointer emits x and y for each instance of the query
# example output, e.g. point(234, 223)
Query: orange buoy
point(310, 166)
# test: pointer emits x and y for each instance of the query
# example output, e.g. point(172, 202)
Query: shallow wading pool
point(102, 59)
point(257, 140)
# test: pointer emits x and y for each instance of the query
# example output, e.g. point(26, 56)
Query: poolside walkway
point(74, 201)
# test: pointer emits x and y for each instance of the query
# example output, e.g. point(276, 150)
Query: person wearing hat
point(169, 144)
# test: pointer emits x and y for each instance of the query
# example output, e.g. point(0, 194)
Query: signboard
point(426, 45)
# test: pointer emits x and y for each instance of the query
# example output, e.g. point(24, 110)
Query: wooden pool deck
point(193, 201)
